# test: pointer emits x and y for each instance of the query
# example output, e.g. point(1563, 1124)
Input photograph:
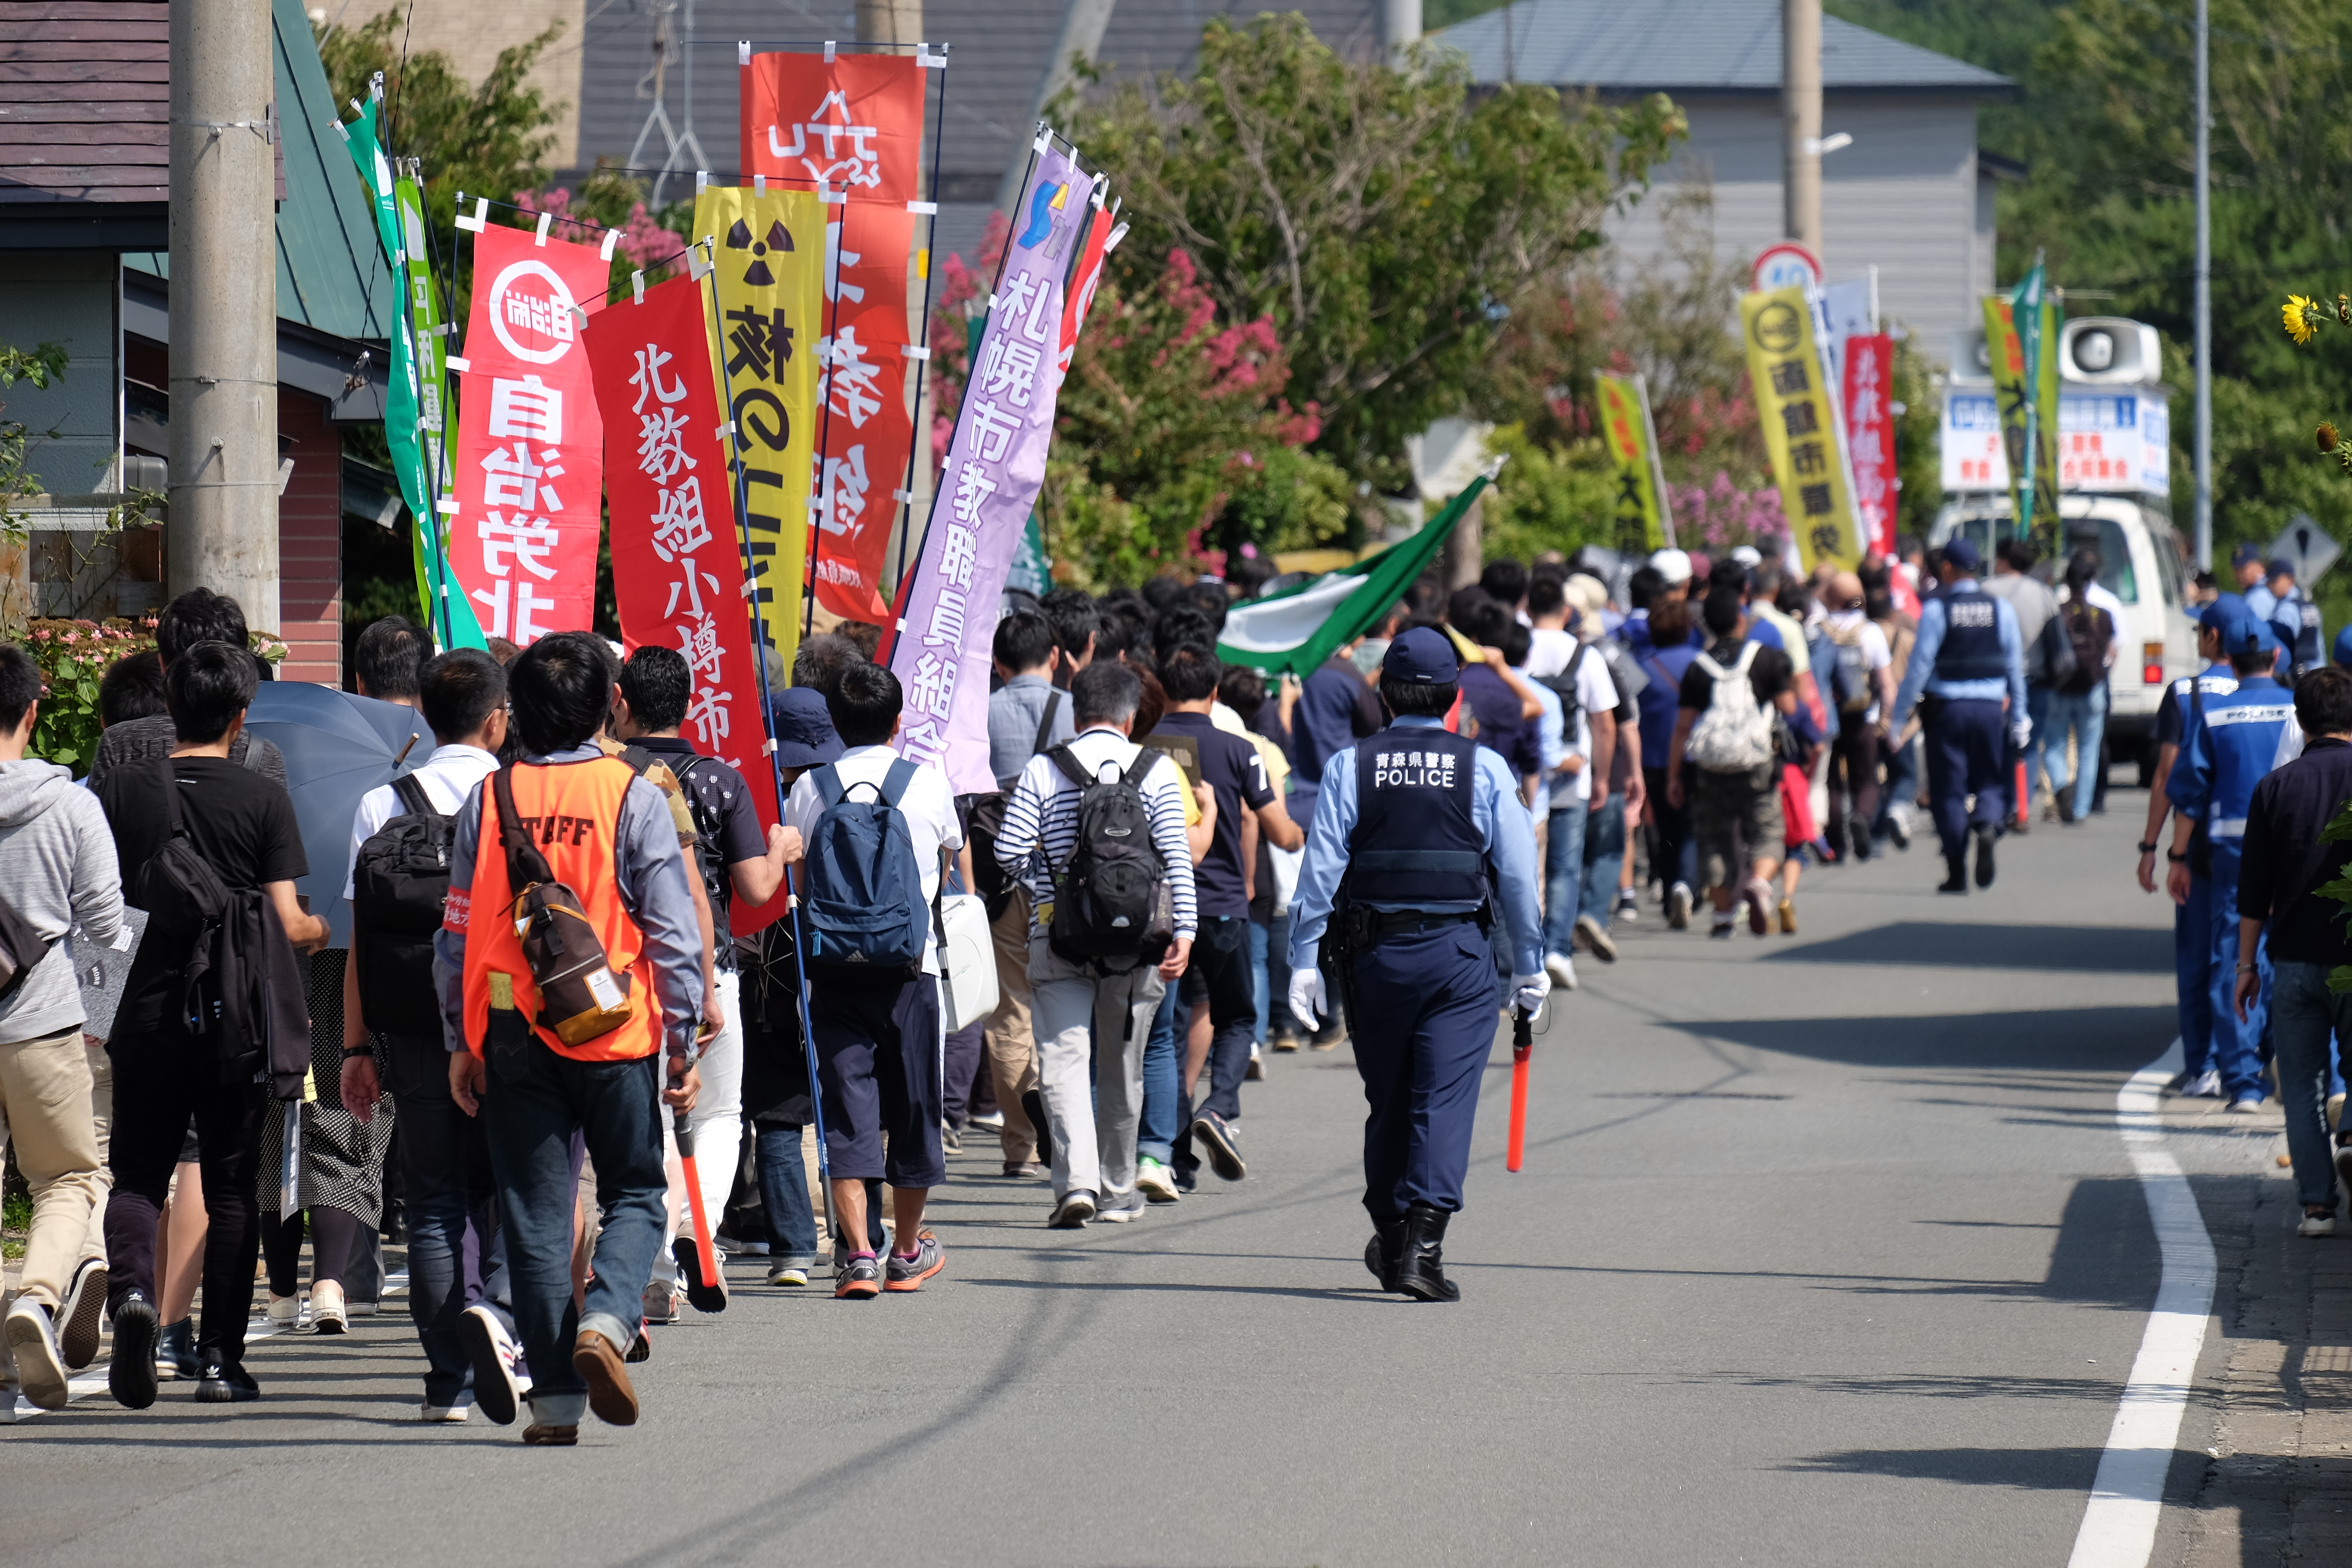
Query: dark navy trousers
point(2192, 973)
point(1965, 749)
point(1421, 1011)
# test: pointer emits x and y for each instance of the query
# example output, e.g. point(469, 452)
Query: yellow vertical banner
point(1796, 406)
point(768, 256)
point(1625, 426)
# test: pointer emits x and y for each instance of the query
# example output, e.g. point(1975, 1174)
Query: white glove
point(1307, 1002)
point(1529, 991)
point(2021, 733)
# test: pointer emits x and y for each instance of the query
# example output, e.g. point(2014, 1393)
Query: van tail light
point(2151, 663)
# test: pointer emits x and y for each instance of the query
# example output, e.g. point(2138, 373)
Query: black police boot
point(1419, 1273)
point(1984, 831)
point(1385, 1251)
point(1955, 874)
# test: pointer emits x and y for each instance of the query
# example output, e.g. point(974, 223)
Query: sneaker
point(1788, 917)
point(1255, 1071)
point(1285, 1040)
point(450, 1414)
point(1188, 1178)
point(1024, 1170)
point(2250, 1103)
point(2206, 1085)
point(327, 1315)
point(175, 1351)
point(1122, 1208)
point(1223, 1141)
point(1071, 1212)
point(1678, 907)
point(1721, 929)
point(1629, 907)
point(736, 1246)
point(906, 1271)
point(131, 1372)
point(78, 1319)
point(640, 1349)
point(992, 1121)
point(1562, 969)
point(33, 1341)
point(705, 1295)
point(493, 1353)
point(1596, 937)
point(1759, 897)
point(1899, 831)
point(2317, 1225)
point(659, 1301)
point(610, 1394)
point(224, 1383)
point(285, 1313)
point(2178, 1082)
point(951, 1140)
point(787, 1274)
point(858, 1279)
point(1154, 1181)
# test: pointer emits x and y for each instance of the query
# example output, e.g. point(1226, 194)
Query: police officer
point(2225, 750)
point(1417, 835)
point(1969, 659)
point(2292, 618)
point(2192, 920)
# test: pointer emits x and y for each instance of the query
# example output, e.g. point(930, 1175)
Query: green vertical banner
point(1033, 568)
point(412, 408)
point(2022, 343)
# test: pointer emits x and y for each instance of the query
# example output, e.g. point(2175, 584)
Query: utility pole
point(2204, 427)
point(223, 527)
point(1801, 115)
point(900, 21)
point(1400, 28)
point(1083, 22)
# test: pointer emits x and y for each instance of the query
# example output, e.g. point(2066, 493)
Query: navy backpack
point(864, 911)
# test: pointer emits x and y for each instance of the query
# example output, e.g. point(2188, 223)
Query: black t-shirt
point(239, 821)
point(726, 822)
point(1231, 766)
point(1769, 676)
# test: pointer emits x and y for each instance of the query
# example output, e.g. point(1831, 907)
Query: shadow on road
point(2102, 1040)
point(2114, 950)
point(2054, 1470)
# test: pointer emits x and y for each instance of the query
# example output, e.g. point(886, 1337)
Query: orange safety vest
point(574, 812)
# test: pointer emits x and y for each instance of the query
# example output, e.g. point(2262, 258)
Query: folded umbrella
point(337, 748)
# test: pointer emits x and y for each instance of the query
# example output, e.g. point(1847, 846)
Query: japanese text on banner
point(1793, 405)
point(995, 465)
point(770, 281)
point(1625, 426)
point(854, 125)
point(530, 468)
point(1870, 437)
point(678, 565)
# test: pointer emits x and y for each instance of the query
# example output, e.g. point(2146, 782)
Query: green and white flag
point(1299, 630)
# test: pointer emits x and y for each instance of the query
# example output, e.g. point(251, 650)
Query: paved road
point(1826, 1252)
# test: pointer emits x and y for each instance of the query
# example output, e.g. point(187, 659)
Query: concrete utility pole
point(223, 532)
point(900, 21)
point(1083, 22)
point(1801, 116)
point(2203, 450)
point(1400, 27)
point(890, 22)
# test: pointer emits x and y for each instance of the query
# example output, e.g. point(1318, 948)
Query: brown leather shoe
point(539, 1435)
point(609, 1393)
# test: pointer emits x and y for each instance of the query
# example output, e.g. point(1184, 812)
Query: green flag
point(1299, 630)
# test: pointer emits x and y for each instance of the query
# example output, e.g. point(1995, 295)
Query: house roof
point(1692, 46)
point(84, 86)
point(332, 275)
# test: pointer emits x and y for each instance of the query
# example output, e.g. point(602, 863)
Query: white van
point(2143, 564)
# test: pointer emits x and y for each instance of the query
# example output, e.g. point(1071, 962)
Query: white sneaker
point(2316, 1225)
point(1118, 1208)
point(994, 1121)
point(660, 1301)
point(1562, 969)
point(1678, 907)
point(1596, 937)
point(2206, 1085)
point(327, 1315)
point(448, 1414)
point(787, 1274)
point(1152, 1180)
point(33, 1343)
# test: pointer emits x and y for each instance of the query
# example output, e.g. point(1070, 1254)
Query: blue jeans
point(1604, 853)
point(1902, 784)
point(456, 1255)
point(534, 1103)
point(784, 1194)
point(1163, 1085)
point(2085, 714)
point(1564, 872)
point(2304, 1014)
point(2037, 710)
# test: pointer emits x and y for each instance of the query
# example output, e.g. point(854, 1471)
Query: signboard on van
point(2110, 443)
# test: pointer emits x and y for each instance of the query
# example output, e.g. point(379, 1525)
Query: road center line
point(2127, 1495)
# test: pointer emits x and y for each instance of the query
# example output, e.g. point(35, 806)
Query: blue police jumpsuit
point(2224, 754)
point(1422, 823)
point(2192, 923)
point(1968, 656)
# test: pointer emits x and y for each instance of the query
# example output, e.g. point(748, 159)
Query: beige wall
point(472, 32)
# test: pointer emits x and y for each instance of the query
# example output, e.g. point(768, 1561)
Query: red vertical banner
point(528, 482)
point(677, 567)
point(852, 127)
point(1870, 432)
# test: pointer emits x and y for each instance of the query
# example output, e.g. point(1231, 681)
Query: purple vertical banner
point(995, 466)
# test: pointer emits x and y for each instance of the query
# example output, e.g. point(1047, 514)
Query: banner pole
point(919, 449)
point(812, 507)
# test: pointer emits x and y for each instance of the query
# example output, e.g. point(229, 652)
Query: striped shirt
point(1041, 823)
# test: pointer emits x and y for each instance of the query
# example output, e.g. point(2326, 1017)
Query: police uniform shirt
point(1495, 809)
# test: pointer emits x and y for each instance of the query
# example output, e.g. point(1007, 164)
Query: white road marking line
point(82, 1384)
point(2127, 1496)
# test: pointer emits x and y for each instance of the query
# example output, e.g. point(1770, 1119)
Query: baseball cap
point(2280, 568)
point(803, 725)
point(2224, 614)
point(1422, 655)
point(1585, 591)
point(1962, 555)
point(1746, 556)
point(1674, 565)
point(2244, 554)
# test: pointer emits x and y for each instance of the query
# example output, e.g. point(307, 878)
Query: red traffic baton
point(1522, 1047)
point(706, 1292)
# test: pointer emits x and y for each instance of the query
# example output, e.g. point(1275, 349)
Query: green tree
point(1386, 222)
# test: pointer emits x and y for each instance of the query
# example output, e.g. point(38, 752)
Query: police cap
point(1422, 655)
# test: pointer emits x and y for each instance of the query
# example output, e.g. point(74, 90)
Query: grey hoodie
point(58, 870)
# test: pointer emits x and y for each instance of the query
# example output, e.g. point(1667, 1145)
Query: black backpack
point(986, 822)
point(1111, 898)
point(1563, 686)
point(2089, 631)
point(242, 987)
point(399, 884)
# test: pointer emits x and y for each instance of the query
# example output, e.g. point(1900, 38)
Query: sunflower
point(2299, 313)
point(2326, 435)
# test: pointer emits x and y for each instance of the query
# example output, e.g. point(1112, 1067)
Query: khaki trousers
point(101, 1107)
point(45, 1110)
point(1012, 1044)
